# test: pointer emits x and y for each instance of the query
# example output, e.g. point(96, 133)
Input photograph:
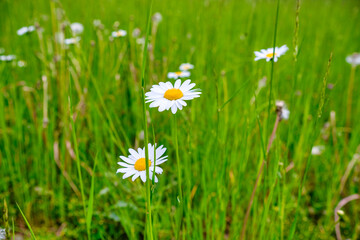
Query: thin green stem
point(175, 127)
point(78, 165)
point(146, 140)
point(349, 103)
point(272, 68)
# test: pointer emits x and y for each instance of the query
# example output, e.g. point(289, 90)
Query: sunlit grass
point(58, 159)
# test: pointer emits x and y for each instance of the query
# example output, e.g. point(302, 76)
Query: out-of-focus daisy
point(21, 63)
point(186, 66)
point(119, 33)
point(166, 95)
point(97, 23)
point(25, 30)
point(317, 150)
point(140, 41)
point(70, 41)
point(180, 74)
point(136, 32)
point(353, 59)
point(134, 165)
point(157, 17)
point(77, 28)
point(268, 54)
point(7, 58)
point(282, 110)
point(2, 233)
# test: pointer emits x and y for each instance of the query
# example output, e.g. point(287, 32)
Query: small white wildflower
point(317, 150)
point(7, 58)
point(268, 54)
point(70, 41)
point(186, 66)
point(119, 33)
point(282, 110)
point(353, 59)
point(167, 96)
point(21, 63)
point(2, 234)
point(157, 17)
point(180, 74)
point(25, 30)
point(97, 23)
point(136, 32)
point(135, 165)
point(140, 41)
point(77, 28)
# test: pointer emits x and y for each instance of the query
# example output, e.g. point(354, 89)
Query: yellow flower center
point(270, 55)
point(173, 94)
point(140, 164)
point(178, 73)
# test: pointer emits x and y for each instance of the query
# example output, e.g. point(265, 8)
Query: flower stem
point(180, 197)
point(349, 103)
point(175, 132)
point(146, 140)
point(258, 177)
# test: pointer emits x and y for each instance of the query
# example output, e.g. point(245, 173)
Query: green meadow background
point(221, 143)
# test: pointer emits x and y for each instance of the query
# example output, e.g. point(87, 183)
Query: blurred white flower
point(21, 63)
point(186, 66)
point(268, 54)
point(7, 58)
point(282, 110)
point(119, 33)
point(70, 41)
point(353, 59)
point(77, 28)
point(285, 114)
point(136, 32)
point(140, 41)
point(176, 75)
point(157, 17)
point(25, 30)
point(317, 150)
point(97, 23)
point(2, 234)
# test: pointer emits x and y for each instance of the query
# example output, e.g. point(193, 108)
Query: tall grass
point(59, 163)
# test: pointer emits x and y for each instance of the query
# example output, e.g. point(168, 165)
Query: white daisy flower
point(166, 96)
point(180, 74)
point(353, 59)
point(2, 233)
point(25, 30)
point(77, 28)
point(135, 165)
point(268, 53)
point(7, 58)
point(157, 17)
point(119, 33)
point(140, 41)
point(317, 150)
point(21, 63)
point(186, 66)
point(70, 41)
